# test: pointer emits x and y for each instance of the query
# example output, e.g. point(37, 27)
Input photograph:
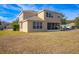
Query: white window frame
point(37, 25)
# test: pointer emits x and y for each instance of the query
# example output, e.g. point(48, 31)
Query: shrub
point(16, 27)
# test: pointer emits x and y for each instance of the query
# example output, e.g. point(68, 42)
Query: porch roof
point(35, 18)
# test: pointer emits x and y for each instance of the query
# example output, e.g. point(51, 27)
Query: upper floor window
point(49, 15)
point(37, 25)
point(59, 17)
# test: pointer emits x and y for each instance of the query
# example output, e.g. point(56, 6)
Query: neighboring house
point(3, 25)
point(73, 26)
point(45, 20)
point(67, 26)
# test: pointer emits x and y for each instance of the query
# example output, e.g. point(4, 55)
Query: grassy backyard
point(39, 42)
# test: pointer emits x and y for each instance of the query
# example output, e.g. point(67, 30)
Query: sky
point(10, 12)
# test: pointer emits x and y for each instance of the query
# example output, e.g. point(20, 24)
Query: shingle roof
point(51, 11)
point(30, 11)
point(34, 18)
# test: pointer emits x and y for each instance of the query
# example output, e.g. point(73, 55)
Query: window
point(37, 25)
point(49, 15)
point(52, 26)
point(40, 25)
point(58, 16)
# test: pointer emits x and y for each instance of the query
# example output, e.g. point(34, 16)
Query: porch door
point(50, 26)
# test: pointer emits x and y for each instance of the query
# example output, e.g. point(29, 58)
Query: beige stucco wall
point(20, 29)
point(20, 22)
point(55, 18)
point(30, 27)
point(28, 24)
point(24, 27)
point(21, 17)
point(23, 22)
point(26, 15)
point(41, 15)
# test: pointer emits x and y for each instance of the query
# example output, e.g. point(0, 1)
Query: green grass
point(39, 42)
point(9, 32)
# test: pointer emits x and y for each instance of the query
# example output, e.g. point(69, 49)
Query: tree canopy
point(63, 21)
point(15, 25)
point(76, 21)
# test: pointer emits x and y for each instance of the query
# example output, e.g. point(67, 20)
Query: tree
point(76, 21)
point(15, 25)
point(0, 22)
point(63, 21)
point(70, 21)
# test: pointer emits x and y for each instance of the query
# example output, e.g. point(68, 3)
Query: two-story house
point(45, 20)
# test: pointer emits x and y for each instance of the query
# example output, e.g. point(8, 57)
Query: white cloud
point(35, 8)
point(28, 7)
point(3, 18)
point(47, 7)
point(10, 19)
point(8, 6)
point(70, 14)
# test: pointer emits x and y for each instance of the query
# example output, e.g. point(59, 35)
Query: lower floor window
point(51, 26)
point(37, 25)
